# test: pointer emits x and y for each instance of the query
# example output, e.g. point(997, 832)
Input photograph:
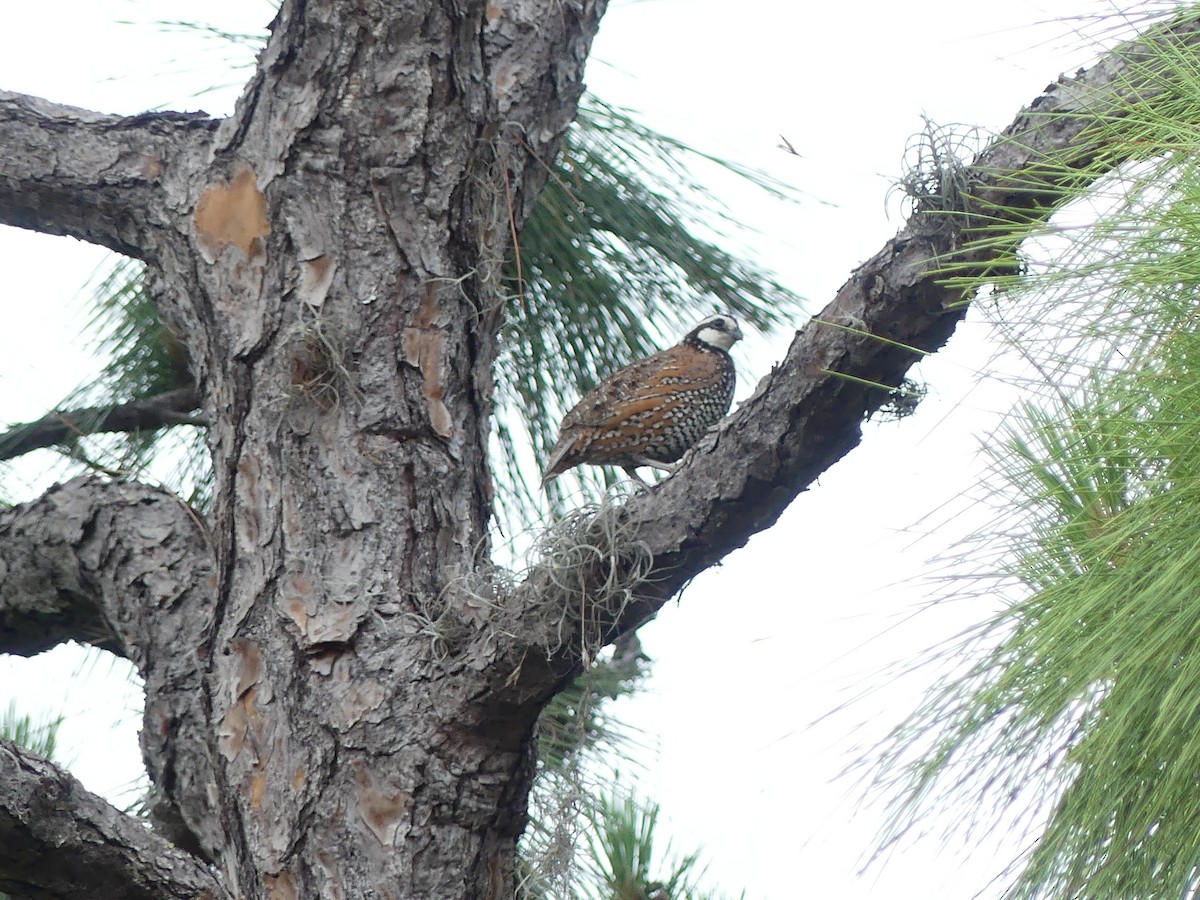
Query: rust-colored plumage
point(653, 410)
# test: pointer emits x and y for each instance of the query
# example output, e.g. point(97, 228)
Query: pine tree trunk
point(339, 295)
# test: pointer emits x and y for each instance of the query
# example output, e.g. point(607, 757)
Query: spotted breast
point(653, 410)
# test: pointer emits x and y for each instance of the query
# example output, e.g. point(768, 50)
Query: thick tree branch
point(149, 414)
point(96, 177)
point(808, 413)
point(62, 842)
point(128, 568)
point(93, 561)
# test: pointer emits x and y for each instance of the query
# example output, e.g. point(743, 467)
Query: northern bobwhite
point(650, 412)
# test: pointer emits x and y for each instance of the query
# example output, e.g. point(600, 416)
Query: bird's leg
point(655, 464)
point(652, 463)
point(632, 473)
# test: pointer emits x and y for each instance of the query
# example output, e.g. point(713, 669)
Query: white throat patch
point(717, 338)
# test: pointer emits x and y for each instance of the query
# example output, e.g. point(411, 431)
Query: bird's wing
point(638, 387)
point(600, 409)
point(646, 388)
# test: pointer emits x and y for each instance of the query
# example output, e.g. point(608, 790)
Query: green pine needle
point(39, 736)
point(1077, 706)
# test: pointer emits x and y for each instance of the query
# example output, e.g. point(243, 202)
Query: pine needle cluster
point(1074, 711)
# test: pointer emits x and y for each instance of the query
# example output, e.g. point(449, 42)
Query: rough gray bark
point(350, 700)
point(330, 257)
point(95, 561)
point(130, 569)
point(95, 177)
point(60, 841)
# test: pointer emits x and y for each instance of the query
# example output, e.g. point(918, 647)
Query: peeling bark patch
point(232, 213)
point(235, 725)
point(297, 594)
point(381, 806)
point(152, 167)
point(316, 276)
point(505, 77)
point(258, 787)
point(336, 624)
point(362, 698)
point(251, 674)
point(241, 723)
point(425, 348)
point(249, 526)
point(322, 661)
point(326, 864)
point(493, 11)
point(297, 612)
point(319, 620)
point(281, 887)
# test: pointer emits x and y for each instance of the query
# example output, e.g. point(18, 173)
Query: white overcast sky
point(812, 613)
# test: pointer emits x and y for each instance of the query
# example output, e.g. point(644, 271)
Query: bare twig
point(172, 408)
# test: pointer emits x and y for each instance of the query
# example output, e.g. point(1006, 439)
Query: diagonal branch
point(95, 177)
point(895, 308)
point(148, 414)
point(60, 841)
